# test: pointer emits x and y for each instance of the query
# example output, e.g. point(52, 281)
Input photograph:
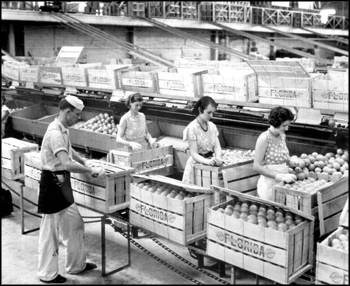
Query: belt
point(207, 155)
point(62, 172)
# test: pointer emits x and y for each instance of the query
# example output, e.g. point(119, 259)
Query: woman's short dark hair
point(278, 115)
point(133, 98)
point(64, 104)
point(202, 104)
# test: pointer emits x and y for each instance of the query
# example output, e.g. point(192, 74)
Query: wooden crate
point(12, 69)
point(50, 75)
point(106, 77)
point(185, 83)
point(92, 140)
point(34, 119)
point(75, 75)
point(231, 86)
point(239, 176)
point(331, 92)
point(181, 221)
point(12, 160)
point(139, 80)
point(29, 74)
point(145, 161)
point(285, 91)
point(332, 265)
point(106, 194)
point(32, 170)
point(276, 255)
point(324, 204)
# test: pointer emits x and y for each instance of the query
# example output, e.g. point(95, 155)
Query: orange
point(336, 166)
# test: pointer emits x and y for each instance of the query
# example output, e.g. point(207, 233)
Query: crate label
point(50, 77)
point(29, 74)
point(280, 93)
point(175, 85)
point(336, 96)
point(246, 245)
point(153, 164)
point(73, 77)
point(338, 278)
point(221, 88)
point(100, 79)
point(154, 213)
point(83, 187)
point(137, 82)
point(32, 173)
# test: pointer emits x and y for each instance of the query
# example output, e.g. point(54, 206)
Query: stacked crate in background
point(169, 208)
point(32, 170)
point(183, 83)
point(75, 75)
point(12, 157)
point(262, 246)
point(331, 91)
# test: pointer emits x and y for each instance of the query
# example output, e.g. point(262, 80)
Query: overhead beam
point(192, 37)
point(272, 43)
point(336, 38)
point(296, 37)
point(315, 39)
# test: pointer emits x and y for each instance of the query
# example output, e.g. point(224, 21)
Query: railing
point(230, 12)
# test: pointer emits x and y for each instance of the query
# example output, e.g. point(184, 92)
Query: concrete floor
point(19, 256)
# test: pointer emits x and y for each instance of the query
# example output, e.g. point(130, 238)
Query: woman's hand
point(153, 143)
point(211, 161)
point(218, 161)
point(135, 146)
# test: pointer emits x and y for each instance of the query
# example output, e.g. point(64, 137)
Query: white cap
point(76, 102)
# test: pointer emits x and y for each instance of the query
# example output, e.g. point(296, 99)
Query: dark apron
point(54, 195)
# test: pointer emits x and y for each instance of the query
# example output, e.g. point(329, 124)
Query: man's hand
point(97, 171)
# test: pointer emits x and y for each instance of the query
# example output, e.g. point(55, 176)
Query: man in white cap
point(60, 215)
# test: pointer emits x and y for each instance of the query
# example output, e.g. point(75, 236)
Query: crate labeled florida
point(158, 159)
point(12, 157)
point(321, 188)
point(106, 194)
point(169, 208)
point(32, 170)
point(75, 75)
point(262, 237)
point(184, 83)
point(331, 91)
point(332, 259)
point(230, 85)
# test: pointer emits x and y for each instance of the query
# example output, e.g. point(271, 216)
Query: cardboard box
point(12, 157)
point(325, 204)
point(181, 221)
point(273, 254)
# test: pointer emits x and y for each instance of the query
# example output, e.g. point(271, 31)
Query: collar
point(134, 116)
point(60, 126)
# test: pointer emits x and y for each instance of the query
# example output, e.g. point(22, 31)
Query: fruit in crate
point(264, 216)
point(233, 156)
point(166, 190)
point(340, 241)
point(308, 185)
point(331, 166)
point(102, 123)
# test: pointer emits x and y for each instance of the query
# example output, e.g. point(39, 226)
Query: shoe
point(58, 279)
point(89, 266)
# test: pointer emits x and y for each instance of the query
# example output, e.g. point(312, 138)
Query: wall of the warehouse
point(171, 46)
point(46, 40)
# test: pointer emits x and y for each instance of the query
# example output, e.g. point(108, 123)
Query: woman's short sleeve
point(191, 132)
